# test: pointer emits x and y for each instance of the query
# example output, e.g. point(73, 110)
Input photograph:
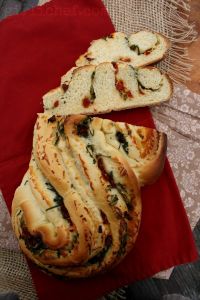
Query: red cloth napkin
point(36, 48)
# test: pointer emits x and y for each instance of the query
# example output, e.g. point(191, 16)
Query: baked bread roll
point(139, 49)
point(77, 211)
point(107, 87)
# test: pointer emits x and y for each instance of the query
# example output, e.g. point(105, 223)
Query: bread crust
point(153, 169)
point(149, 149)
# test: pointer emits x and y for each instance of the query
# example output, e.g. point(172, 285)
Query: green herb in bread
point(107, 87)
point(77, 211)
point(139, 49)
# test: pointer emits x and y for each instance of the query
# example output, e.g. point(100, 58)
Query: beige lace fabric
point(179, 118)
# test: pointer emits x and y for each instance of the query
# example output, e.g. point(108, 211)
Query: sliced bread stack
point(112, 75)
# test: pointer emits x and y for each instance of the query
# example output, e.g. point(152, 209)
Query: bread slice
point(106, 87)
point(77, 211)
point(139, 49)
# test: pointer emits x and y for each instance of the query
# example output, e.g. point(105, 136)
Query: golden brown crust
point(171, 85)
point(62, 197)
point(77, 211)
point(146, 152)
point(152, 170)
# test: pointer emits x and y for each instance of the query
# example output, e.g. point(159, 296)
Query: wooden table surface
point(185, 279)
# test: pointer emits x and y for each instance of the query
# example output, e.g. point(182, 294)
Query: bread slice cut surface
point(139, 49)
point(107, 87)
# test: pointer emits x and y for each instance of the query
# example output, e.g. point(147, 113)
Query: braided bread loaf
point(77, 211)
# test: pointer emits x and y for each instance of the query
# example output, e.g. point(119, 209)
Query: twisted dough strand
point(77, 211)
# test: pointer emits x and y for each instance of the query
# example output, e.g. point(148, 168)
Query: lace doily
point(179, 119)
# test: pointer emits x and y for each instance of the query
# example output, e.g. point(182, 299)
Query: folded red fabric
point(37, 47)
